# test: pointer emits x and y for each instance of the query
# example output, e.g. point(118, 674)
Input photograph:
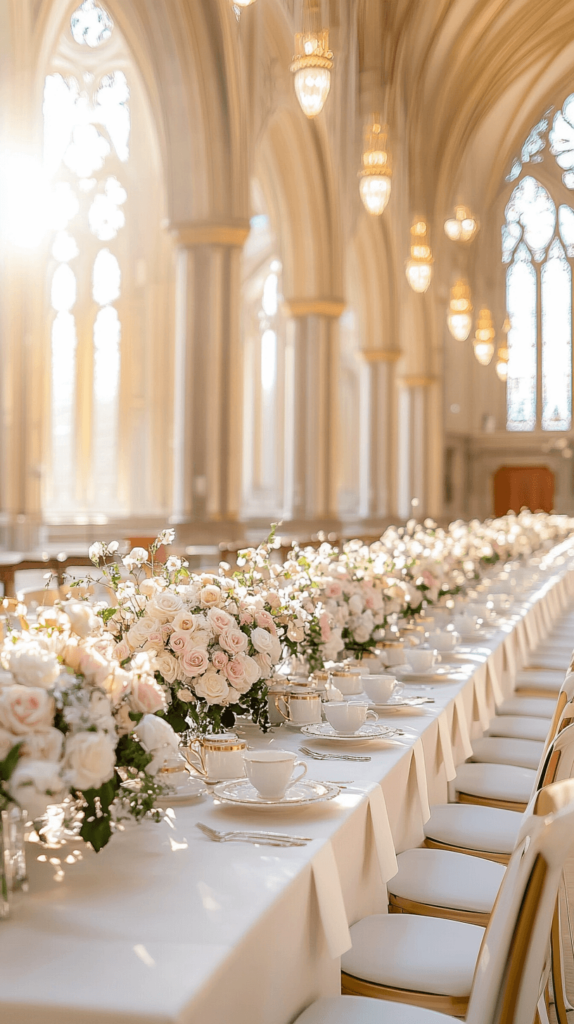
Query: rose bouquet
point(214, 640)
point(75, 725)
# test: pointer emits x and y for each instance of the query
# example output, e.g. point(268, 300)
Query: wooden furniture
point(517, 487)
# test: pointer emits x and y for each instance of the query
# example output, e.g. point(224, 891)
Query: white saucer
point(400, 704)
point(479, 634)
point(368, 731)
point(183, 793)
point(304, 792)
point(408, 672)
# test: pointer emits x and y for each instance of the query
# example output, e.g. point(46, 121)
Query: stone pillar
point(311, 412)
point(413, 469)
point(208, 381)
point(378, 484)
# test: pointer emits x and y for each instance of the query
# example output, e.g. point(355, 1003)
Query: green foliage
point(9, 763)
point(97, 825)
point(131, 754)
point(107, 613)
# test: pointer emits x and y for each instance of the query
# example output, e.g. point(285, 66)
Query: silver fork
point(265, 838)
point(332, 757)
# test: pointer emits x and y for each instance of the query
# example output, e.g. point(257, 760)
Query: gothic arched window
point(538, 246)
point(101, 163)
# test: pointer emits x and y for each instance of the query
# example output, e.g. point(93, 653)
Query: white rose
point(167, 665)
point(233, 640)
point(210, 596)
point(117, 684)
point(361, 634)
point(121, 651)
point(219, 619)
point(101, 712)
point(158, 738)
point(43, 746)
point(183, 621)
point(90, 759)
point(95, 552)
point(82, 618)
point(25, 709)
point(165, 605)
point(32, 666)
point(356, 604)
point(212, 687)
point(264, 662)
point(262, 640)
point(35, 785)
point(251, 668)
point(146, 697)
point(94, 667)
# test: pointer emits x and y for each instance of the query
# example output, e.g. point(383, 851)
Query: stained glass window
point(556, 296)
point(521, 306)
point(86, 144)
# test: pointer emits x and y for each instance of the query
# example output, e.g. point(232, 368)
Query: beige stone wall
point(373, 411)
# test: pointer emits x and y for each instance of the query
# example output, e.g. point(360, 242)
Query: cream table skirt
point(165, 927)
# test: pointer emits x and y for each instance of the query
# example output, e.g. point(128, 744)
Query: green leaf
point(9, 763)
point(176, 719)
point(131, 754)
point(97, 832)
point(107, 613)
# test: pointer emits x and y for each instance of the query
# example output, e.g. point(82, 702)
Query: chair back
point(564, 697)
point(512, 964)
point(557, 762)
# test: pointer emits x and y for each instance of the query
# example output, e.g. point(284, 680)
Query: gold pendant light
point(312, 62)
point(462, 227)
point(459, 316)
point(419, 267)
point(375, 174)
point(484, 337)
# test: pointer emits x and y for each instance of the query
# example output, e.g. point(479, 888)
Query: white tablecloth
point(165, 927)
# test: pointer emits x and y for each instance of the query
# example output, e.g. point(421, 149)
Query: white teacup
point(381, 688)
point(465, 624)
point(347, 716)
point(368, 663)
point(271, 771)
point(443, 640)
point(419, 659)
point(300, 708)
point(217, 757)
point(348, 683)
point(394, 655)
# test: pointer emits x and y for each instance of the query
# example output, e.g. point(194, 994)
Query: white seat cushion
point(540, 679)
point(440, 878)
point(554, 662)
point(423, 954)
point(508, 750)
point(519, 727)
point(496, 781)
point(360, 1010)
point(534, 707)
point(470, 827)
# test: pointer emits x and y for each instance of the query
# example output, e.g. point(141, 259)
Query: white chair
point(451, 884)
point(498, 975)
point(486, 829)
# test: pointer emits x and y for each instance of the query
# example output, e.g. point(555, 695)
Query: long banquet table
point(165, 927)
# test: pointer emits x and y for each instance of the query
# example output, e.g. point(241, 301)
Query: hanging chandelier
point(243, 3)
point(502, 361)
point(419, 267)
point(462, 227)
point(375, 174)
point(484, 337)
point(312, 62)
point(459, 316)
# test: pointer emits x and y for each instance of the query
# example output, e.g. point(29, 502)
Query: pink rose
point(251, 668)
point(333, 589)
point(272, 599)
point(219, 619)
point(178, 641)
point(235, 672)
point(233, 640)
point(24, 709)
point(266, 620)
point(245, 617)
point(219, 660)
point(264, 663)
point(194, 661)
point(146, 697)
point(325, 626)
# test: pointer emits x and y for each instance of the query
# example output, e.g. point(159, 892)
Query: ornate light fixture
point(459, 316)
point(462, 227)
point(312, 62)
point(484, 337)
point(243, 3)
point(375, 174)
point(419, 267)
point(502, 363)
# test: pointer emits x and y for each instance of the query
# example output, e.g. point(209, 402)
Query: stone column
point(311, 361)
point(378, 485)
point(413, 469)
point(208, 381)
